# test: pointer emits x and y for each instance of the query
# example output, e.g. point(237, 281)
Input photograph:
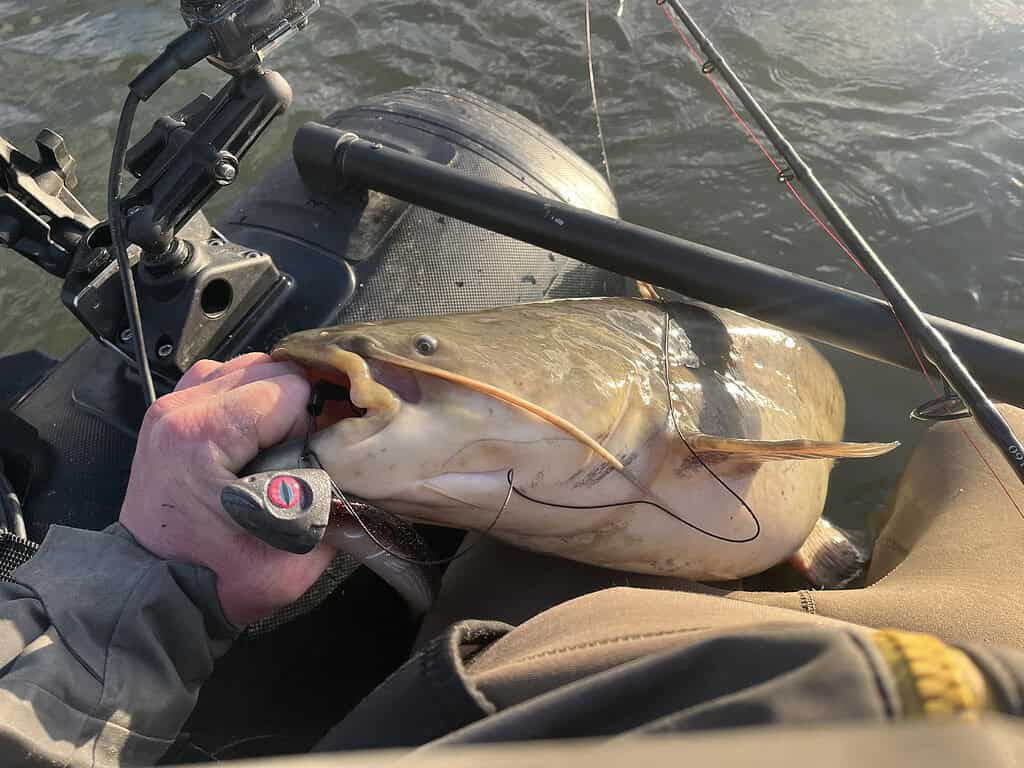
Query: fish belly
point(692, 527)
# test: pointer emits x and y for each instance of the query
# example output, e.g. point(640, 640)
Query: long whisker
point(507, 397)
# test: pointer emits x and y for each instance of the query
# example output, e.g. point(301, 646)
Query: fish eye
point(426, 345)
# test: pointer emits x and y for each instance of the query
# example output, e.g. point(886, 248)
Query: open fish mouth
point(373, 384)
point(361, 395)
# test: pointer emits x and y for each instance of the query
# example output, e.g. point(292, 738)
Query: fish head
point(415, 399)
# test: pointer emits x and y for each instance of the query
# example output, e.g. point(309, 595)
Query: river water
point(911, 113)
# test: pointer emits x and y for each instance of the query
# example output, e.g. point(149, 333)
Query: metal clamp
point(39, 217)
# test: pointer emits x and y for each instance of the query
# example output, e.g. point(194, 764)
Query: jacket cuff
point(95, 585)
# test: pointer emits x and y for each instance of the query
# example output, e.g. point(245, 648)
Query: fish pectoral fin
point(777, 450)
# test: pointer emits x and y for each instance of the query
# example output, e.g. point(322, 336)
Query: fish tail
point(829, 559)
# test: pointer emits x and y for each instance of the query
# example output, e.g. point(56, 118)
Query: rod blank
point(916, 323)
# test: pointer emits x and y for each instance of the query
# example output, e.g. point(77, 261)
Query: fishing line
point(351, 510)
point(646, 290)
point(679, 432)
point(309, 458)
point(636, 482)
point(786, 176)
point(593, 94)
point(657, 506)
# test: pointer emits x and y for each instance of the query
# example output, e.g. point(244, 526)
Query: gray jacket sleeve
point(103, 649)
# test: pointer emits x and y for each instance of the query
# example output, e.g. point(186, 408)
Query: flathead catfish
point(551, 426)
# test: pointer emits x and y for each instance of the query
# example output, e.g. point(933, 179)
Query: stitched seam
point(807, 604)
point(441, 683)
point(608, 641)
point(9, 687)
point(70, 649)
point(467, 632)
point(147, 575)
point(427, 664)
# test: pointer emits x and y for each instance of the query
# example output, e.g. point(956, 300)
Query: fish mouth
point(377, 382)
point(357, 396)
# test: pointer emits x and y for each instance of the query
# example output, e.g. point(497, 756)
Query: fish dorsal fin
point(776, 450)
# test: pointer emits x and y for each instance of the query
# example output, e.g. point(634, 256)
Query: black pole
point(936, 348)
point(328, 158)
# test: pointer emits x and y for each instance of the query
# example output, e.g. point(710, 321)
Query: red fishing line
point(826, 228)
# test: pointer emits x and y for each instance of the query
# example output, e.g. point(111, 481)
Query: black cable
point(183, 52)
point(119, 243)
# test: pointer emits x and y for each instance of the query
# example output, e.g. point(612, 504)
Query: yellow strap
point(933, 679)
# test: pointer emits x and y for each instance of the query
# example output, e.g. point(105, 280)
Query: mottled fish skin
point(444, 454)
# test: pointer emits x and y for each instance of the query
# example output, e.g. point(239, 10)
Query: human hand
point(192, 443)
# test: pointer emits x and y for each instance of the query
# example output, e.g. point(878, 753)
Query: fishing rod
point(915, 323)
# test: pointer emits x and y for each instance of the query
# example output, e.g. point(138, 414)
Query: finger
point(278, 579)
point(197, 374)
point(208, 370)
point(238, 363)
point(259, 415)
point(240, 377)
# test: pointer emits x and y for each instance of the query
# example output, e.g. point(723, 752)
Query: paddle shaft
point(328, 158)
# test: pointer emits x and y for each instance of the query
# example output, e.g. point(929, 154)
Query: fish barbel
point(669, 438)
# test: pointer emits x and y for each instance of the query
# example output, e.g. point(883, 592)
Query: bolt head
point(127, 335)
point(165, 351)
point(224, 171)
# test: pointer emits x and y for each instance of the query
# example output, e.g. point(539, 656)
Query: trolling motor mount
point(201, 295)
point(210, 307)
point(190, 155)
point(207, 296)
